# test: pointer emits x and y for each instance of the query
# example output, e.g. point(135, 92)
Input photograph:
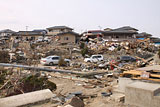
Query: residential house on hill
point(126, 33)
point(155, 40)
point(143, 36)
point(6, 33)
point(29, 35)
point(67, 37)
point(63, 34)
point(58, 29)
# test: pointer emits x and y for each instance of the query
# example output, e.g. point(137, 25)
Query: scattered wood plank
point(4, 84)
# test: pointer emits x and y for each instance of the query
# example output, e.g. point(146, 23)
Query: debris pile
point(83, 74)
point(15, 82)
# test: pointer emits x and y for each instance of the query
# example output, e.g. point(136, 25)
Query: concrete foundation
point(143, 94)
point(123, 82)
point(25, 99)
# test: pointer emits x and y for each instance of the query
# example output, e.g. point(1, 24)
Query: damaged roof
point(93, 32)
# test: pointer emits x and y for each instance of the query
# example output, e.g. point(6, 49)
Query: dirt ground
point(66, 86)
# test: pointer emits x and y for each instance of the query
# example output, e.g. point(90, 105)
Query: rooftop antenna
point(100, 27)
point(26, 28)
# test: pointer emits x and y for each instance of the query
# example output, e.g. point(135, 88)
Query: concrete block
point(25, 99)
point(118, 97)
point(156, 101)
point(142, 94)
point(123, 82)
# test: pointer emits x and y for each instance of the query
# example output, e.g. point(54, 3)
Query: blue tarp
point(158, 43)
point(140, 38)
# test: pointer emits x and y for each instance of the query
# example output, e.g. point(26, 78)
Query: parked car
point(40, 39)
point(47, 39)
point(127, 59)
point(94, 58)
point(51, 60)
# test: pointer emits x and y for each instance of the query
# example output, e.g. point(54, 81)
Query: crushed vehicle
point(127, 59)
point(52, 60)
point(94, 58)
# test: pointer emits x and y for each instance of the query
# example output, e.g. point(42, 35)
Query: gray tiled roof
point(144, 34)
point(74, 33)
point(28, 33)
point(126, 29)
point(40, 31)
point(60, 27)
point(7, 31)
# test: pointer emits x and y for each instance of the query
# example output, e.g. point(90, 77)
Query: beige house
point(63, 34)
point(67, 37)
point(58, 29)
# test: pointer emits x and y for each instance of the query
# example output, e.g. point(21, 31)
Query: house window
point(32, 38)
point(66, 38)
point(117, 36)
point(26, 38)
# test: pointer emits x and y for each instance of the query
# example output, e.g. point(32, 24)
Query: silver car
point(52, 60)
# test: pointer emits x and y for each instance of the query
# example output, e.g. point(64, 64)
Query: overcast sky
point(81, 15)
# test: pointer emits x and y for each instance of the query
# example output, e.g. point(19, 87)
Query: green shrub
point(82, 45)
point(62, 62)
point(84, 51)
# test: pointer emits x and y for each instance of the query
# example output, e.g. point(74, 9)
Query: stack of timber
point(152, 75)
